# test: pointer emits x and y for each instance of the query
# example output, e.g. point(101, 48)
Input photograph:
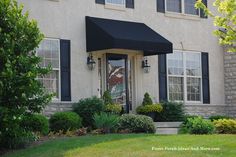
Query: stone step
point(168, 124)
point(167, 131)
point(167, 128)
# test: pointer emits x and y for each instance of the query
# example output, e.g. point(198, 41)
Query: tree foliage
point(20, 91)
point(225, 20)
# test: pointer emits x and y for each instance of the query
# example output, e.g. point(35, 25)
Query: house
point(164, 47)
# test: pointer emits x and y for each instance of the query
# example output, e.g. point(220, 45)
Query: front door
point(117, 79)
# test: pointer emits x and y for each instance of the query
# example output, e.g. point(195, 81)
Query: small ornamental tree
point(225, 20)
point(20, 91)
point(147, 100)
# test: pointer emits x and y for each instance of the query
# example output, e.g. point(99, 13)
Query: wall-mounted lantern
point(90, 62)
point(146, 67)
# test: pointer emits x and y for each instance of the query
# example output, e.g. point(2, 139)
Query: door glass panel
point(116, 79)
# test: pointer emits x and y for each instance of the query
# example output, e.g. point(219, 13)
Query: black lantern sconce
point(146, 67)
point(90, 62)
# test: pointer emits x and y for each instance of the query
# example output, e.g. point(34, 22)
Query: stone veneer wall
point(57, 107)
point(201, 110)
point(230, 82)
point(206, 110)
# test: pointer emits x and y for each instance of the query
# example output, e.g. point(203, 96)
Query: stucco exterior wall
point(65, 19)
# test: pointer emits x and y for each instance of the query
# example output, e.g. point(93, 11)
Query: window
point(193, 74)
point(176, 76)
point(189, 7)
point(184, 76)
point(173, 5)
point(49, 51)
point(182, 6)
point(116, 2)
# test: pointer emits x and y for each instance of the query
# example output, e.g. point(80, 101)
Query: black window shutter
point(129, 3)
point(162, 77)
point(100, 1)
point(205, 78)
point(202, 15)
point(161, 6)
point(65, 70)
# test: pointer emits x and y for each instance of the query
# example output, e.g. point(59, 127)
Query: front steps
point(167, 128)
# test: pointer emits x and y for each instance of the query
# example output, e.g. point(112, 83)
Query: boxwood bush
point(147, 100)
point(64, 121)
point(86, 108)
point(136, 123)
point(35, 123)
point(198, 125)
point(225, 126)
point(171, 111)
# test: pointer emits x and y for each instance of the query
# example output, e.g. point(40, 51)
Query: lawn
point(134, 145)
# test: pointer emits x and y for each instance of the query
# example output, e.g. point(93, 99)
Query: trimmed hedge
point(86, 108)
point(136, 123)
point(149, 108)
point(35, 123)
point(65, 121)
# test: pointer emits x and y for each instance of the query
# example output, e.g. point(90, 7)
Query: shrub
point(35, 123)
point(216, 117)
point(105, 121)
point(64, 121)
point(16, 137)
point(198, 125)
point(172, 111)
point(149, 108)
point(225, 126)
point(186, 117)
point(107, 98)
point(183, 129)
point(20, 90)
point(113, 108)
point(136, 123)
point(86, 108)
point(147, 100)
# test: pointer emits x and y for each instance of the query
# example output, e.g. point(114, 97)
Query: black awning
point(104, 34)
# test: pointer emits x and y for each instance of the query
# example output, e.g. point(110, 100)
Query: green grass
point(133, 145)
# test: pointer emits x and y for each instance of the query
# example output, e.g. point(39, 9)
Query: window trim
point(116, 5)
point(55, 99)
point(185, 76)
point(182, 10)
